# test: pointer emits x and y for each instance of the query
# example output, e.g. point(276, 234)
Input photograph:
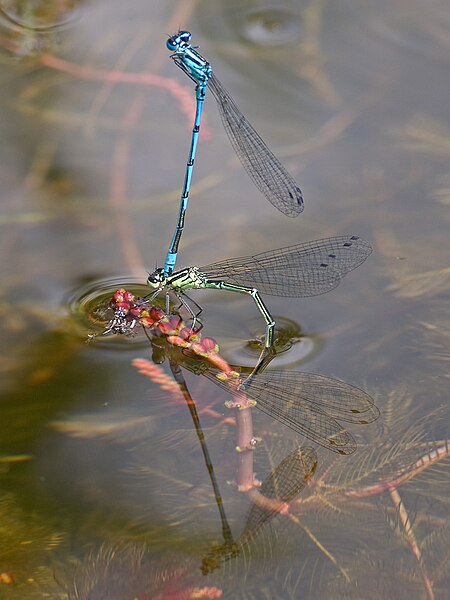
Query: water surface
point(100, 466)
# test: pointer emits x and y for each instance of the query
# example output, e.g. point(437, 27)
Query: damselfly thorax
point(189, 278)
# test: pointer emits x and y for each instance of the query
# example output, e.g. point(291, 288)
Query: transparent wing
point(307, 403)
point(306, 269)
point(338, 399)
point(264, 168)
point(284, 483)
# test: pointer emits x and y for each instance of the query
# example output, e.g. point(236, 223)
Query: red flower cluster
point(130, 311)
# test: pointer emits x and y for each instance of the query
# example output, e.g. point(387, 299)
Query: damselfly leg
point(187, 306)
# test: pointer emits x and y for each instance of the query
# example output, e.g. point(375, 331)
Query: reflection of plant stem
point(280, 489)
point(245, 445)
point(245, 480)
point(179, 378)
point(246, 441)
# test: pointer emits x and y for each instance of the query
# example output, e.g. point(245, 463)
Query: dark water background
point(98, 465)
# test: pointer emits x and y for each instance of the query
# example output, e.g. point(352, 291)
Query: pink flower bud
point(124, 307)
point(210, 345)
point(175, 322)
point(118, 295)
point(176, 340)
point(185, 333)
point(198, 348)
point(147, 322)
point(156, 313)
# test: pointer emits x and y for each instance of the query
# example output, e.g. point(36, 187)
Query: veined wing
point(264, 168)
point(306, 269)
point(309, 404)
point(313, 423)
point(338, 399)
point(284, 483)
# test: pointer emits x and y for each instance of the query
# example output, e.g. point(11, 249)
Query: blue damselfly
point(266, 171)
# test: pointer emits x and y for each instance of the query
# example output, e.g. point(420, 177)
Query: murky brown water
point(102, 481)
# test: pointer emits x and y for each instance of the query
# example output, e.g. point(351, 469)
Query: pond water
point(104, 491)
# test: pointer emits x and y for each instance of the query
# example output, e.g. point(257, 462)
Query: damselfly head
point(178, 40)
point(157, 279)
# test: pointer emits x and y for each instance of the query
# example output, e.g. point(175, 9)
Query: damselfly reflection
point(281, 486)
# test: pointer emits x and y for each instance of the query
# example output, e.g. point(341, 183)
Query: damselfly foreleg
point(187, 305)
